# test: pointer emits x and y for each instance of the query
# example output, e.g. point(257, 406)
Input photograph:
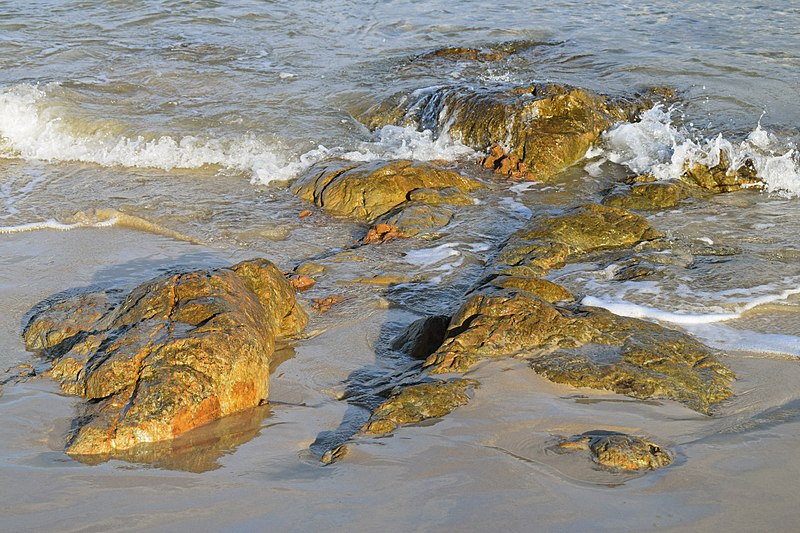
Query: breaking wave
point(31, 128)
point(655, 146)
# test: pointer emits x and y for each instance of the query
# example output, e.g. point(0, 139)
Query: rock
point(309, 269)
point(534, 131)
point(422, 337)
point(647, 196)
point(321, 305)
point(305, 213)
point(549, 241)
point(583, 347)
point(65, 319)
point(380, 233)
point(419, 402)
point(546, 290)
point(365, 191)
point(461, 53)
point(302, 283)
point(412, 219)
point(618, 451)
point(721, 177)
point(181, 350)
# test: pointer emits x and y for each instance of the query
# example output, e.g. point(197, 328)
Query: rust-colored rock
point(381, 233)
point(179, 351)
point(304, 213)
point(321, 305)
point(618, 451)
point(302, 283)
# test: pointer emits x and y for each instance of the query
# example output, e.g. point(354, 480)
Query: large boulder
point(534, 131)
point(179, 351)
point(366, 191)
point(584, 347)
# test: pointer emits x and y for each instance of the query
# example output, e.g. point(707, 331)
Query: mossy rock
point(540, 129)
point(366, 191)
point(584, 347)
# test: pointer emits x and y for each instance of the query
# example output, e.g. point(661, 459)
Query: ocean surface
point(136, 137)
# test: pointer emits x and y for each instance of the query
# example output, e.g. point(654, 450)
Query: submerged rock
point(647, 196)
point(583, 347)
point(549, 241)
point(416, 403)
point(366, 191)
point(181, 350)
point(618, 451)
point(534, 131)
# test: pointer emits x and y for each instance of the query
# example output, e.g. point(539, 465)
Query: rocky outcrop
point(515, 313)
point(584, 347)
point(366, 191)
point(533, 131)
point(177, 352)
point(617, 451)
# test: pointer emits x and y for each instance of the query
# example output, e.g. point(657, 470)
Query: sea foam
point(632, 310)
point(31, 128)
point(655, 146)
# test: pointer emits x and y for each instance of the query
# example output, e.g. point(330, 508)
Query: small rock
point(618, 451)
point(302, 283)
point(322, 305)
point(305, 213)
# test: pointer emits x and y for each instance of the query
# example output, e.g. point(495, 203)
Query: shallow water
point(137, 138)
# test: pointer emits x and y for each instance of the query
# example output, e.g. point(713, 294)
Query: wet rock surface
point(617, 451)
point(366, 191)
point(584, 347)
point(179, 351)
point(416, 403)
point(533, 131)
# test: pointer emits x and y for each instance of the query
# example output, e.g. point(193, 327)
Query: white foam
point(628, 309)
point(53, 224)
point(31, 128)
point(431, 256)
point(653, 145)
point(728, 338)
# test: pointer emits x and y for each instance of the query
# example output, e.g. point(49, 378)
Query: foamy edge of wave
point(632, 310)
point(54, 224)
point(29, 130)
point(655, 146)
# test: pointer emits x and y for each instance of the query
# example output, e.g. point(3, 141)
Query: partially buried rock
point(618, 451)
point(584, 347)
point(366, 191)
point(416, 403)
point(533, 131)
point(181, 350)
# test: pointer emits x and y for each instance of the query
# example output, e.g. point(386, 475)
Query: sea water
point(162, 134)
